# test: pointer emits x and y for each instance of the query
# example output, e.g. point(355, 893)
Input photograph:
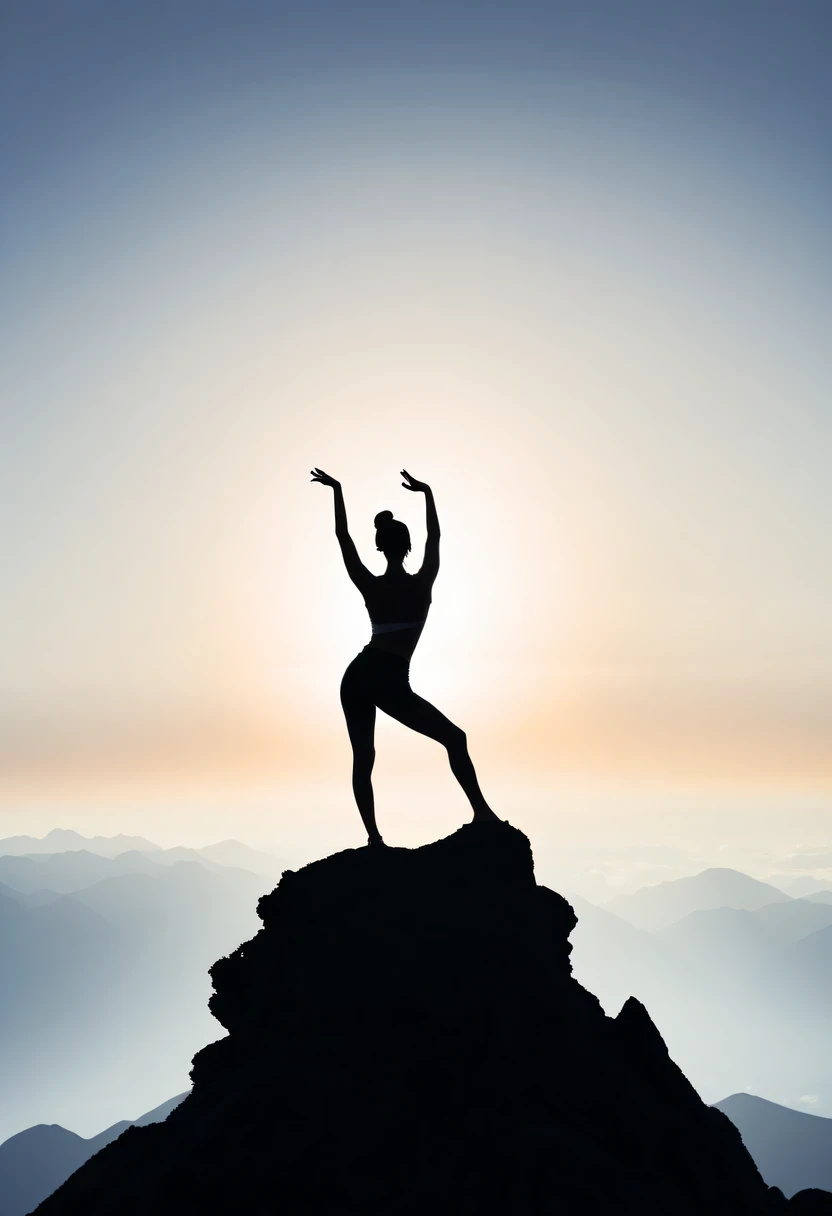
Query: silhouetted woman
point(379, 677)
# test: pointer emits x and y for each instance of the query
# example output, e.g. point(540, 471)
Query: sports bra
point(396, 606)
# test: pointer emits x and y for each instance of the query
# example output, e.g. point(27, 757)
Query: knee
point(363, 759)
point(457, 740)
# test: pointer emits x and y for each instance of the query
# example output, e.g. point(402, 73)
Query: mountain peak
point(405, 1036)
point(658, 906)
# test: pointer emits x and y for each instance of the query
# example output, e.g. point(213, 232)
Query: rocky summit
point(405, 1037)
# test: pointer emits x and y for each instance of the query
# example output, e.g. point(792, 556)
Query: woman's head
point(392, 536)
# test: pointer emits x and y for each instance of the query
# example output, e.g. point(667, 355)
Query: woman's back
point(398, 603)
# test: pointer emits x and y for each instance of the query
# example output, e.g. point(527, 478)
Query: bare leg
point(417, 713)
point(361, 723)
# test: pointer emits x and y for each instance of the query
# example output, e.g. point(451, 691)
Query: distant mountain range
point(63, 840)
point(105, 945)
point(35, 1162)
point(800, 886)
point(659, 906)
point(791, 1149)
point(63, 873)
point(122, 960)
point(740, 993)
point(60, 840)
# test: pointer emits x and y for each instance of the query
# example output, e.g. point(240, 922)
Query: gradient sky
point(569, 262)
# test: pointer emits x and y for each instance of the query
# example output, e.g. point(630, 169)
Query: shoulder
point(423, 580)
point(365, 582)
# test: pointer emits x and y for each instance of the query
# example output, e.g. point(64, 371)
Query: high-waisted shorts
point(376, 675)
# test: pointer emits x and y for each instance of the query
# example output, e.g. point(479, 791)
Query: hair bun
point(392, 536)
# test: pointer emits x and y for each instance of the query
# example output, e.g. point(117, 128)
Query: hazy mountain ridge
point(656, 907)
point(224, 853)
point(788, 923)
point(741, 1004)
point(61, 947)
point(36, 1161)
point(802, 886)
point(123, 960)
point(68, 872)
point(811, 960)
point(792, 1149)
point(62, 840)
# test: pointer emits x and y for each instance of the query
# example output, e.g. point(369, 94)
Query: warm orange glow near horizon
point(560, 651)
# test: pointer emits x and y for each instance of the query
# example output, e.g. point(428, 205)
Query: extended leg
point(361, 725)
point(417, 713)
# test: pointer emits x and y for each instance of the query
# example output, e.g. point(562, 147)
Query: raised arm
point(430, 566)
point(356, 569)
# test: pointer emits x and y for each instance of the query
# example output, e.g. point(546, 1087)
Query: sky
point(567, 262)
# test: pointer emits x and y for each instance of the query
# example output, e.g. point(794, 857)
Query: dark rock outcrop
point(405, 1037)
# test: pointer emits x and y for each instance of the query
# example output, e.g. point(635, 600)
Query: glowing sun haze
point(589, 307)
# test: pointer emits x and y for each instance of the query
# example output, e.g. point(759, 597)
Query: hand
point(325, 479)
point(410, 483)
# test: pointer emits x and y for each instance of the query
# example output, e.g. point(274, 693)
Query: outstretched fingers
point(411, 482)
point(322, 477)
